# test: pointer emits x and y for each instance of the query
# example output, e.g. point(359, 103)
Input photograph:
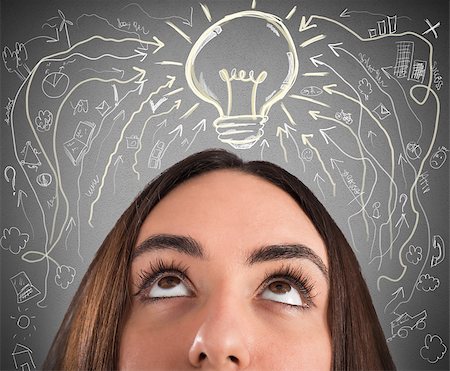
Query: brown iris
point(168, 282)
point(279, 287)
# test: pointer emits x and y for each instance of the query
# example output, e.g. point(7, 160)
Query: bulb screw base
point(240, 132)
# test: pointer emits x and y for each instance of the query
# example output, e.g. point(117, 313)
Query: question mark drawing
point(13, 179)
point(404, 202)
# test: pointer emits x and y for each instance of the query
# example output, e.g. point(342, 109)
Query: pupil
point(280, 287)
point(168, 282)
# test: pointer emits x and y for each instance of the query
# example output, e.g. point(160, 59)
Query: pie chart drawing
point(55, 84)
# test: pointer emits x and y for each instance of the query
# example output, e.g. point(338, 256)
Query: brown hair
point(90, 332)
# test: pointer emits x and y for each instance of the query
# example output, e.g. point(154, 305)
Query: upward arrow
point(178, 131)
point(200, 126)
point(305, 139)
point(20, 195)
point(395, 294)
point(334, 163)
point(71, 223)
point(119, 158)
point(324, 134)
point(263, 145)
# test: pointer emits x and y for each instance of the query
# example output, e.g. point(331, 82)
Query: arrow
point(116, 165)
point(169, 84)
point(402, 220)
point(20, 195)
point(201, 126)
point(325, 135)
point(279, 134)
point(70, 226)
point(178, 133)
point(189, 22)
point(306, 24)
point(400, 162)
point(158, 43)
point(306, 142)
point(314, 114)
point(287, 130)
point(392, 185)
point(317, 177)
point(328, 88)
point(334, 163)
point(316, 62)
point(263, 144)
point(370, 135)
point(159, 126)
point(71, 221)
point(344, 13)
point(333, 48)
point(387, 74)
point(121, 113)
point(140, 53)
point(119, 71)
point(177, 29)
point(305, 138)
point(140, 78)
point(327, 139)
point(175, 106)
point(396, 294)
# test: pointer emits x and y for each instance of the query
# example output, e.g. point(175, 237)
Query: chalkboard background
point(98, 97)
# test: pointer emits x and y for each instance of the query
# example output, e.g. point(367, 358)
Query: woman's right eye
point(168, 286)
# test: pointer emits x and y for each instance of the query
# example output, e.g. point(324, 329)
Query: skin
point(227, 321)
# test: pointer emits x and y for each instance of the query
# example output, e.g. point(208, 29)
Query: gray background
point(49, 233)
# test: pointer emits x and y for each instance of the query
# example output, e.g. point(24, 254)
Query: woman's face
point(227, 273)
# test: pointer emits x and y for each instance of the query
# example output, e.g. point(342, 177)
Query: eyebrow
point(287, 251)
point(188, 246)
point(182, 244)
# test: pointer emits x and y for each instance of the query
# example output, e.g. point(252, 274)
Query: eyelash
point(294, 276)
point(299, 281)
point(156, 271)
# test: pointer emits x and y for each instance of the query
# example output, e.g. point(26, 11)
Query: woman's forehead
point(232, 208)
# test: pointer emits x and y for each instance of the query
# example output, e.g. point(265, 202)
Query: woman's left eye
point(167, 287)
point(282, 292)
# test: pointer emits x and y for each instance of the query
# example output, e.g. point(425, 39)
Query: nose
point(221, 341)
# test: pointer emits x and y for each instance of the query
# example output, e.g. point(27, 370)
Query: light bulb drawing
point(235, 65)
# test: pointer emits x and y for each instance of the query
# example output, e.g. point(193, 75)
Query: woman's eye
point(282, 292)
point(169, 286)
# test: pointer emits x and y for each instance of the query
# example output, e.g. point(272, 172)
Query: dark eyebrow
point(287, 251)
point(183, 244)
point(189, 246)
